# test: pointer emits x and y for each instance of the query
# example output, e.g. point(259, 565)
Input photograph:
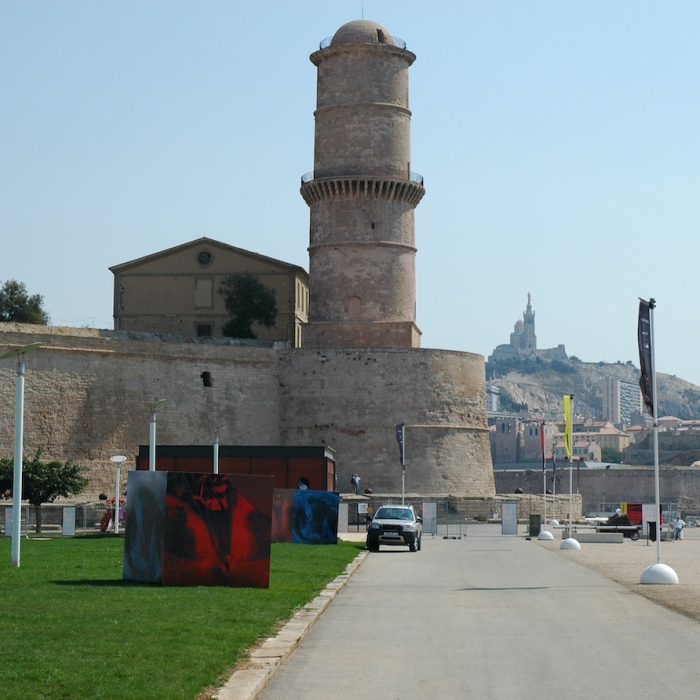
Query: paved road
point(489, 618)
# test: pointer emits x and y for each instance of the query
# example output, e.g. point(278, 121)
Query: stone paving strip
point(267, 657)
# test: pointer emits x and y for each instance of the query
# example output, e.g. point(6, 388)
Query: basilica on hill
point(523, 341)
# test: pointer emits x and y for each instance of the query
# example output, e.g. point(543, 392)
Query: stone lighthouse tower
point(362, 194)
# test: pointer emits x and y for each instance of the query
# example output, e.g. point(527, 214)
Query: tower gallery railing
point(310, 177)
point(398, 42)
point(344, 186)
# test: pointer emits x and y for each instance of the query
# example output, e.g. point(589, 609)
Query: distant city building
point(622, 401)
point(504, 440)
point(493, 399)
point(531, 440)
point(581, 450)
point(516, 440)
point(596, 436)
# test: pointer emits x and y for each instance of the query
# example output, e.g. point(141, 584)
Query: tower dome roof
point(362, 31)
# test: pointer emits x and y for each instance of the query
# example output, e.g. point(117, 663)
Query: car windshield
point(394, 514)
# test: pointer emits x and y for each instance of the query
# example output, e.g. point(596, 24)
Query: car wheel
point(372, 546)
point(420, 540)
point(412, 546)
point(634, 536)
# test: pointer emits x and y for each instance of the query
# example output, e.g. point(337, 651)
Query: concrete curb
point(268, 657)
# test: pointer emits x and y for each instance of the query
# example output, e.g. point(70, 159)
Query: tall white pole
point(152, 444)
point(571, 491)
point(544, 477)
point(544, 533)
point(656, 573)
point(216, 455)
point(544, 496)
point(571, 470)
point(18, 353)
point(570, 542)
point(116, 501)
point(17, 473)
point(655, 427)
point(403, 465)
point(153, 408)
point(117, 461)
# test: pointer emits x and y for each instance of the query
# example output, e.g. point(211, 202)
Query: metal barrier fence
point(88, 517)
point(452, 531)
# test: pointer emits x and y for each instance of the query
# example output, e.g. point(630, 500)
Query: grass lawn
point(71, 628)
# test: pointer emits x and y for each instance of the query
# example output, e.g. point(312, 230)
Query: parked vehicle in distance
point(395, 526)
point(619, 522)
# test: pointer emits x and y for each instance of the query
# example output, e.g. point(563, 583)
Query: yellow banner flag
point(568, 400)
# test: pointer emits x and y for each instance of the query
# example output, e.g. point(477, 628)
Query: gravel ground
point(625, 562)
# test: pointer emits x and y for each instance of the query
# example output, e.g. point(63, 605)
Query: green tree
point(16, 304)
point(42, 482)
point(248, 300)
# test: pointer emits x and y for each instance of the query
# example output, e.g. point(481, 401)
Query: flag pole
point(544, 534)
point(401, 440)
point(403, 463)
point(569, 542)
point(657, 573)
point(544, 475)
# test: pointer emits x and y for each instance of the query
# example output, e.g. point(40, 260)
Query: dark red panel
point(217, 530)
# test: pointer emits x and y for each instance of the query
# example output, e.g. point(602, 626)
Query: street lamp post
point(19, 353)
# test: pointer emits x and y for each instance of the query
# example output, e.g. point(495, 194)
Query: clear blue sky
point(559, 143)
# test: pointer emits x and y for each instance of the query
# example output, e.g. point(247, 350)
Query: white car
point(395, 525)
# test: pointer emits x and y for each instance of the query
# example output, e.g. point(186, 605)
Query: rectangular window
point(204, 330)
point(203, 293)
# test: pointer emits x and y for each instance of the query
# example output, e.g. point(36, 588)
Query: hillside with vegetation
point(537, 384)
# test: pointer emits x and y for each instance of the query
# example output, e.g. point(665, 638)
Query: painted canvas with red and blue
point(193, 529)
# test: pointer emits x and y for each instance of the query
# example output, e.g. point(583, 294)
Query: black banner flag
point(645, 361)
point(400, 429)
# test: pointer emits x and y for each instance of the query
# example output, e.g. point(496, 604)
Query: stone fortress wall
point(360, 371)
point(87, 393)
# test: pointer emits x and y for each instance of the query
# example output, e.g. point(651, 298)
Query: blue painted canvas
point(315, 517)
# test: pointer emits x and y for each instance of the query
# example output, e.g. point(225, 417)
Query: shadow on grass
point(106, 583)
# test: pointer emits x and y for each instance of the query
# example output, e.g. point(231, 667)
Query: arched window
point(354, 307)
